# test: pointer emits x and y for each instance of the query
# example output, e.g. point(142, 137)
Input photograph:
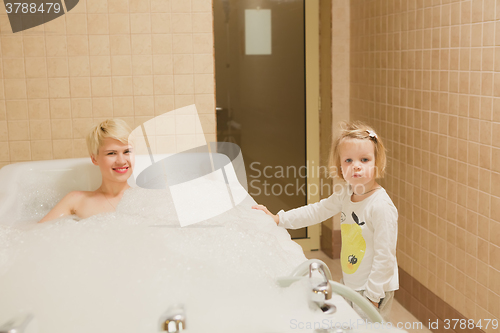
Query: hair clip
point(372, 134)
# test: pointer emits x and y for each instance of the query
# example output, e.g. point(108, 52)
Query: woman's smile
point(121, 170)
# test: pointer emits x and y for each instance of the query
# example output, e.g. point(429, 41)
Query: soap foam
point(121, 271)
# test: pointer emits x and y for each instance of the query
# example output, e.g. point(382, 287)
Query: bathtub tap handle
point(324, 287)
point(16, 325)
point(174, 320)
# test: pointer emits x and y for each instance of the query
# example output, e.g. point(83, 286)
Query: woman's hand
point(263, 208)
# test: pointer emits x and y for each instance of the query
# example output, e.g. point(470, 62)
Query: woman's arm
point(64, 207)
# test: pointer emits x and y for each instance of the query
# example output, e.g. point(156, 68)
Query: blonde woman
point(110, 149)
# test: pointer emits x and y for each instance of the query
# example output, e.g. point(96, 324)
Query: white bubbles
point(121, 271)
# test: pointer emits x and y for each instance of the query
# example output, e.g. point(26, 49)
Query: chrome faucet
point(174, 320)
point(16, 325)
point(324, 287)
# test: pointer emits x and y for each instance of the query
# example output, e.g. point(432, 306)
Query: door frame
point(312, 56)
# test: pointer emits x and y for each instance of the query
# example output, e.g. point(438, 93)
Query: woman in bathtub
point(110, 149)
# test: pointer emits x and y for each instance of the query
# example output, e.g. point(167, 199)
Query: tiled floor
point(403, 316)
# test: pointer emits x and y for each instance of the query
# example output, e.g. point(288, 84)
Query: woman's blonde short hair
point(357, 130)
point(110, 128)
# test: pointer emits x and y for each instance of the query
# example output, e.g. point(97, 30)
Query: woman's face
point(115, 159)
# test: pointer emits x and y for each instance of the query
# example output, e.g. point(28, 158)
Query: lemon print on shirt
point(353, 245)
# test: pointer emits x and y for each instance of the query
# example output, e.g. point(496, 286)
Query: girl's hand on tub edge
point(263, 208)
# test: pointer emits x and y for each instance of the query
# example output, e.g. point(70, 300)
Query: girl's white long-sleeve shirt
point(369, 230)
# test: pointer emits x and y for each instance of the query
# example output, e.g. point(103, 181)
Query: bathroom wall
point(129, 59)
point(426, 75)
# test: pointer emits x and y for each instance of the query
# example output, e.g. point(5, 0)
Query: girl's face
point(357, 159)
point(115, 159)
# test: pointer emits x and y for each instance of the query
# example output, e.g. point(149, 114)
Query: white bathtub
point(28, 190)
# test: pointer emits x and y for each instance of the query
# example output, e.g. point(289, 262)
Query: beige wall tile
point(98, 24)
point(489, 34)
point(204, 83)
point(183, 100)
point(182, 22)
point(62, 148)
point(203, 64)
point(80, 87)
point(495, 159)
point(76, 24)
point(118, 6)
point(97, 6)
point(161, 23)
point(12, 46)
point(183, 43)
point(78, 45)
point(123, 106)
point(139, 6)
point(18, 130)
point(162, 44)
point(40, 129)
point(4, 133)
point(13, 68)
point(81, 108)
point(41, 150)
point(79, 66)
point(56, 46)
point(121, 65)
point(60, 108)
point(37, 88)
point(163, 64)
point(140, 23)
point(100, 66)
point(61, 129)
point(4, 152)
point(57, 67)
point(34, 46)
point(160, 6)
point(163, 85)
point(102, 107)
point(142, 64)
point(101, 86)
point(141, 44)
point(122, 86)
point(201, 5)
point(202, 22)
point(183, 84)
point(15, 89)
point(36, 67)
point(102, 44)
point(180, 6)
point(55, 27)
point(120, 45)
point(164, 104)
point(144, 105)
point(143, 85)
point(38, 109)
point(19, 151)
point(183, 64)
point(119, 24)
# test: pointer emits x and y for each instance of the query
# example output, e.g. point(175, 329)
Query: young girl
point(110, 149)
point(368, 216)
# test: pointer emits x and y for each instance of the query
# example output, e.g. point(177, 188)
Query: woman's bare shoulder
point(69, 205)
point(74, 197)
